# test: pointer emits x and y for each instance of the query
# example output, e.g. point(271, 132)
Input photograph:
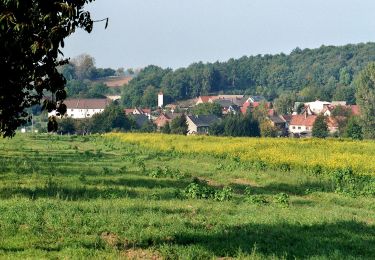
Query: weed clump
point(201, 190)
point(166, 172)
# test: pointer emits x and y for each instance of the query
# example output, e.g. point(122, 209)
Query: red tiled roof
point(205, 99)
point(355, 110)
point(146, 110)
point(331, 122)
point(303, 120)
point(128, 111)
point(271, 112)
point(244, 107)
point(92, 103)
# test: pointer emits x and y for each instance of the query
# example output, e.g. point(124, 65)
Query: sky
point(176, 33)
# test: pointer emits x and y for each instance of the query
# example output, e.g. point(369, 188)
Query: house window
point(88, 115)
point(294, 127)
point(307, 128)
point(299, 127)
point(71, 115)
point(71, 110)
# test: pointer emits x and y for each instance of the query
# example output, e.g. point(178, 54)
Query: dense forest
point(324, 73)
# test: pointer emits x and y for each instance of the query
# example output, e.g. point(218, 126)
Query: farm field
point(137, 196)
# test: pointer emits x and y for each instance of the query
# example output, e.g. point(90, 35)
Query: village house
point(301, 125)
point(206, 99)
point(83, 108)
point(317, 107)
point(251, 105)
point(138, 111)
point(165, 118)
point(227, 106)
point(277, 121)
point(354, 109)
point(200, 124)
point(332, 124)
point(256, 99)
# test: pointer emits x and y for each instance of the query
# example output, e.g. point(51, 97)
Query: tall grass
point(99, 197)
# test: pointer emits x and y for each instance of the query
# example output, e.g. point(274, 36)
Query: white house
point(302, 124)
point(317, 106)
point(83, 108)
point(138, 111)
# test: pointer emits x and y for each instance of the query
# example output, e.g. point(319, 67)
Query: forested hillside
point(325, 73)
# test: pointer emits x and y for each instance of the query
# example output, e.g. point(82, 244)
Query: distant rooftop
point(87, 103)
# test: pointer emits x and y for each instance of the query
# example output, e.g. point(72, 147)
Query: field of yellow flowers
point(299, 154)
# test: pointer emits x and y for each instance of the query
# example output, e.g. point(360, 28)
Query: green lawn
point(98, 197)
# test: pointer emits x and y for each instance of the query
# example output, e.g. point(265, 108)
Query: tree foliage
point(166, 129)
point(236, 125)
point(66, 126)
point(284, 103)
point(354, 129)
point(32, 34)
point(320, 127)
point(324, 73)
point(268, 130)
point(179, 125)
point(208, 109)
point(365, 94)
point(112, 118)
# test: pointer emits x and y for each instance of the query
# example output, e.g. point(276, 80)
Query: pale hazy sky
point(176, 33)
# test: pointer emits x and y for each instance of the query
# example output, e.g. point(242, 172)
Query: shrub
point(201, 190)
point(282, 198)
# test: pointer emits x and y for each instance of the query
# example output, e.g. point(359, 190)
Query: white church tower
point(160, 99)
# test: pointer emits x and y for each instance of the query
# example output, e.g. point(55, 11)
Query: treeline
point(324, 73)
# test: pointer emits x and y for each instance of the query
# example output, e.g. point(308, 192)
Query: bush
point(282, 199)
point(201, 190)
point(354, 129)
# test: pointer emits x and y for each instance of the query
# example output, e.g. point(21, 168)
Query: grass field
point(156, 196)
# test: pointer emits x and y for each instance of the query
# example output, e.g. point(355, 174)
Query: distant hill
point(326, 73)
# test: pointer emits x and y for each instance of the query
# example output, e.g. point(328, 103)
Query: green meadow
point(102, 197)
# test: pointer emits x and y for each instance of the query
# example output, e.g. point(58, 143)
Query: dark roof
point(203, 120)
point(240, 101)
point(140, 120)
point(287, 118)
point(277, 119)
point(224, 102)
point(172, 115)
point(258, 98)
